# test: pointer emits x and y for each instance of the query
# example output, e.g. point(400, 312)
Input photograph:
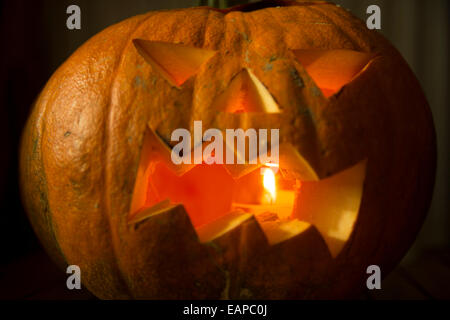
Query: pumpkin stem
point(221, 4)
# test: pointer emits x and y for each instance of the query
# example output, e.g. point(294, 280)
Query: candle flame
point(269, 183)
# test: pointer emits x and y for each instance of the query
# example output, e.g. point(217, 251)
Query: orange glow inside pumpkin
point(277, 195)
point(332, 69)
point(270, 184)
point(216, 202)
point(208, 192)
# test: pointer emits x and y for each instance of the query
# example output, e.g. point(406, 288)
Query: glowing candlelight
point(269, 184)
point(275, 199)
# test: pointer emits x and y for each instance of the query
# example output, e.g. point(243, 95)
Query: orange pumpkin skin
point(81, 147)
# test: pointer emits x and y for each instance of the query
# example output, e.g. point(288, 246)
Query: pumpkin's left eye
point(332, 69)
point(174, 62)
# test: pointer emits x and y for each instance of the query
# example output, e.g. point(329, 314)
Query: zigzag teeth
point(336, 216)
point(280, 231)
point(231, 227)
point(222, 226)
point(333, 218)
point(146, 213)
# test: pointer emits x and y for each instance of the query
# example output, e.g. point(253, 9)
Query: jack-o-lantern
point(351, 188)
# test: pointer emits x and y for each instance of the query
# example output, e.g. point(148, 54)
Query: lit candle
point(269, 184)
point(277, 201)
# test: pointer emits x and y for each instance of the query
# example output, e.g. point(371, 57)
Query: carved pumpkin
point(356, 169)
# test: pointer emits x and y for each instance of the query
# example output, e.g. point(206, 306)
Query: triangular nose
point(175, 62)
point(246, 94)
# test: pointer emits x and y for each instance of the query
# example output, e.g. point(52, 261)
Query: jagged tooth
point(297, 166)
point(161, 213)
point(280, 231)
point(247, 232)
point(301, 234)
point(221, 226)
point(336, 216)
point(146, 213)
point(166, 246)
point(242, 242)
point(284, 268)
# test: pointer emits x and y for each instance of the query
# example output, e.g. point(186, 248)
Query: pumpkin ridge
point(338, 28)
point(106, 143)
point(42, 182)
point(205, 28)
point(282, 32)
point(41, 131)
point(351, 32)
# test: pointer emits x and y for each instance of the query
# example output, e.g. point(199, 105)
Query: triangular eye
point(332, 69)
point(246, 94)
point(175, 62)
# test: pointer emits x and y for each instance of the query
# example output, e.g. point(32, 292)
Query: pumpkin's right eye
point(174, 62)
point(332, 69)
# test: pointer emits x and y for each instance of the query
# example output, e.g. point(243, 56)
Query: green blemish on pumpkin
point(68, 133)
point(138, 81)
point(303, 112)
point(315, 91)
point(244, 35)
point(226, 291)
point(215, 246)
point(247, 58)
point(268, 67)
point(272, 58)
point(296, 77)
point(35, 145)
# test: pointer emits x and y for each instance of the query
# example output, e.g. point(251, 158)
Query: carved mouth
point(218, 199)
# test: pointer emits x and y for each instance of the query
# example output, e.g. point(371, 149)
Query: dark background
point(35, 41)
